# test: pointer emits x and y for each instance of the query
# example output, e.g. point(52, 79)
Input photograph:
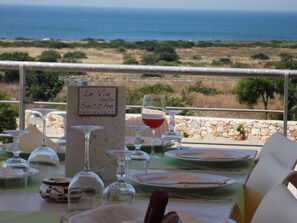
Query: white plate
point(206, 181)
point(210, 155)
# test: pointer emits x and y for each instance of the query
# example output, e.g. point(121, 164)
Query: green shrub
point(260, 56)
point(76, 55)
point(199, 88)
point(149, 59)
point(49, 56)
point(42, 86)
point(130, 60)
point(11, 76)
point(8, 117)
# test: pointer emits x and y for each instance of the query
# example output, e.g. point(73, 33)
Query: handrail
point(140, 69)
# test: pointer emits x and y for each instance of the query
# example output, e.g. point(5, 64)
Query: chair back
point(267, 173)
point(284, 149)
point(279, 205)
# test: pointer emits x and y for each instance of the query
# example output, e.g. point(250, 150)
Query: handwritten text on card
point(97, 101)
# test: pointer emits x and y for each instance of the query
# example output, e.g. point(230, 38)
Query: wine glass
point(171, 135)
point(153, 115)
point(16, 168)
point(62, 140)
point(86, 187)
point(43, 155)
point(139, 158)
point(119, 191)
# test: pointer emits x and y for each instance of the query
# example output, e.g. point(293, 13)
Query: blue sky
point(271, 5)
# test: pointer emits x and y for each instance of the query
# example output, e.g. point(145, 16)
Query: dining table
point(210, 204)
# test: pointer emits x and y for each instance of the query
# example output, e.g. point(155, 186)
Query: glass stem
point(121, 170)
point(153, 142)
point(137, 141)
point(171, 123)
point(43, 132)
point(87, 146)
point(16, 150)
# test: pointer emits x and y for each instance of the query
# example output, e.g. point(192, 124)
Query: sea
point(136, 24)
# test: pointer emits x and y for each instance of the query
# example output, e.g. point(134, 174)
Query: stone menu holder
point(95, 105)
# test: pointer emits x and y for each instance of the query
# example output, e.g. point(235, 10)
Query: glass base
point(174, 138)
point(85, 191)
point(118, 193)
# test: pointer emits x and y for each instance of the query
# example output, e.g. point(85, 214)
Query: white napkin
point(110, 214)
point(31, 141)
point(179, 177)
point(213, 154)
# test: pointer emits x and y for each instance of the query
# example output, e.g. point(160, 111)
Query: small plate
point(210, 155)
point(204, 181)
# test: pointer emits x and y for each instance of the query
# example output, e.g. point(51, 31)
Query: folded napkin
point(33, 140)
point(110, 214)
point(179, 177)
point(213, 154)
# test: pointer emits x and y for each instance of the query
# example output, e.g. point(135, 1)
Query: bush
point(76, 55)
point(43, 85)
point(149, 59)
point(8, 117)
point(11, 76)
point(199, 88)
point(130, 60)
point(260, 56)
point(49, 56)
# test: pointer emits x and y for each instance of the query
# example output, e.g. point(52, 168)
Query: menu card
point(95, 105)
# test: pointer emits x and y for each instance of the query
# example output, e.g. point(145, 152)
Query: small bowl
point(55, 189)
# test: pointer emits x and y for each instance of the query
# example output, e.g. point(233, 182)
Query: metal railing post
point(286, 102)
point(22, 95)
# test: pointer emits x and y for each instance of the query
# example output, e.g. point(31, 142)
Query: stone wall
point(223, 128)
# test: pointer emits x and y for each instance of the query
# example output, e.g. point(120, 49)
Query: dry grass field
point(188, 57)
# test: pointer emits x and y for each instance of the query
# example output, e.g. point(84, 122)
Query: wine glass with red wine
point(153, 115)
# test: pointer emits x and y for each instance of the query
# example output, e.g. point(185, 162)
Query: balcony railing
point(140, 69)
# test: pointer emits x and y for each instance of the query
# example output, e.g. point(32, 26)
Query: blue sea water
point(75, 23)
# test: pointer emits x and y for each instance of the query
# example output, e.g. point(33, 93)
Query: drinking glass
point(171, 135)
point(43, 155)
point(86, 187)
point(139, 158)
point(153, 115)
point(15, 169)
point(119, 191)
point(62, 140)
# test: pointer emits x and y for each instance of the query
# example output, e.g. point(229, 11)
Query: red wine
point(153, 123)
point(156, 207)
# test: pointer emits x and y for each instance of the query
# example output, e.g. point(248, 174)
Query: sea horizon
point(139, 24)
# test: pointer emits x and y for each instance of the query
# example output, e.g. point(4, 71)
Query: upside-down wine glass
point(153, 115)
point(43, 155)
point(139, 158)
point(16, 168)
point(62, 140)
point(119, 191)
point(85, 190)
point(171, 135)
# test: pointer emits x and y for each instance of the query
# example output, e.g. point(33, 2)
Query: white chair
point(279, 206)
point(267, 173)
point(284, 149)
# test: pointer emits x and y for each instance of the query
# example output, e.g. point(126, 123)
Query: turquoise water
point(74, 23)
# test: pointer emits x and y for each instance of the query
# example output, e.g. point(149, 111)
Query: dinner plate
point(209, 155)
point(182, 180)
